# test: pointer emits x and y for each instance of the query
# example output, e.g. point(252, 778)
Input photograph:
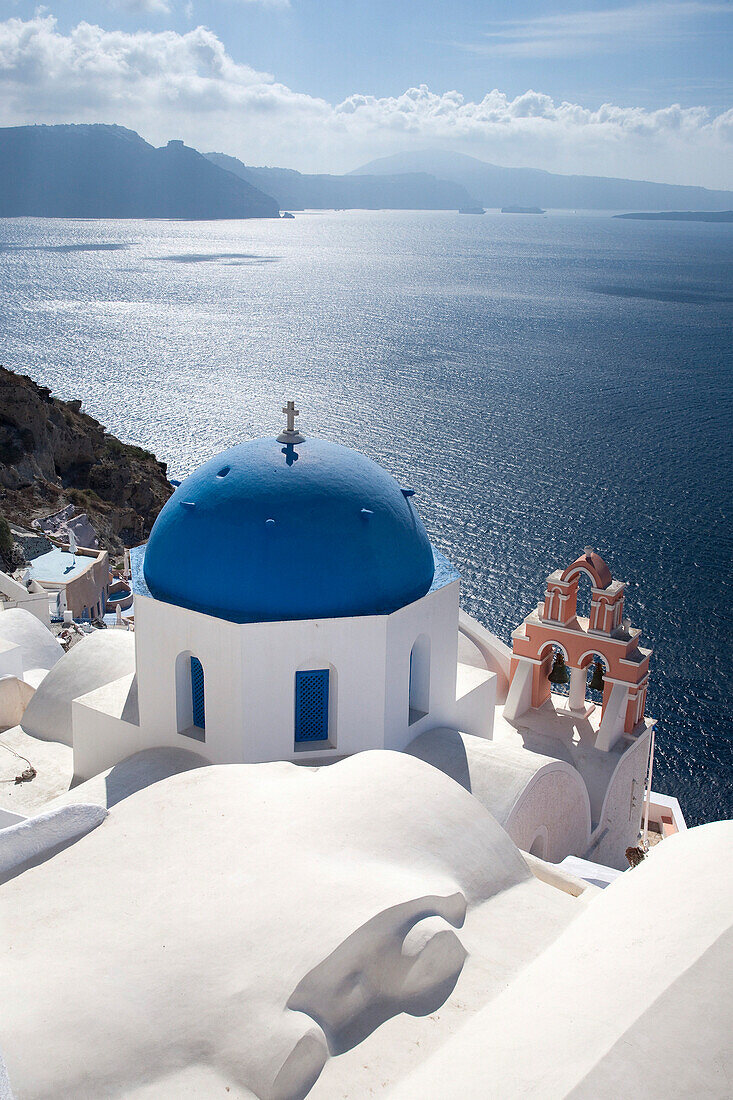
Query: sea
point(544, 383)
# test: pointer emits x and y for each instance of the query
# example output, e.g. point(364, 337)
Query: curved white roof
point(246, 921)
point(634, 998)
point(39, 647)
point(96, 660)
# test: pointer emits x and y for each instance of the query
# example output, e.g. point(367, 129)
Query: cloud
point(137, 7)
point(164, 84)
point(163, 7)
point(577, 33)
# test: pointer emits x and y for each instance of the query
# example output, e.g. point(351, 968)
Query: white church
point(188, 911)
point(289, 606)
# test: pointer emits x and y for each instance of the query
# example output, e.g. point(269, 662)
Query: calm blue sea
point(543, 382)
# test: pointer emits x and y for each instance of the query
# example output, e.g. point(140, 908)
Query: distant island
point(494, 186)
point(681, 216)
point(471, 209)
point(401, 191)
point(522, 210)
point(109, 172)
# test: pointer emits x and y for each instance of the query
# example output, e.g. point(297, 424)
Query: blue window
point(311, 705)
point(197, 693)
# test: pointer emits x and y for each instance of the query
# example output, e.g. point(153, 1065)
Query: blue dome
point(266, 533)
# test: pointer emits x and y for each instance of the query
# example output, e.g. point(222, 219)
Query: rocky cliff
point(101, 171)
point(53, 454)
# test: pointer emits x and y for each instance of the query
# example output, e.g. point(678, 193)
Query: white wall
point(435, 615)
point(553, 810)
point(17, 595)
point(620, 818)
point(11, 659)
point(249, 675)
point(162, 632)
point(475, 705)
point(272, 653)
point(496, 654)
point(15, 694)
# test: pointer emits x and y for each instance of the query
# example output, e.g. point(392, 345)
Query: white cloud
point(164, 84)
point(163, 7)
point(576, 33)
point(155, 7)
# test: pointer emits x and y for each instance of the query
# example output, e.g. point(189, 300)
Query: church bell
point(597, 683)
point(559, 674)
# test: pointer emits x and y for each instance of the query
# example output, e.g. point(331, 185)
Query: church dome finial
point(290, 434)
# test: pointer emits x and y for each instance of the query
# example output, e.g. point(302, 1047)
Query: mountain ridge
point(295, 190)
point(496, 186)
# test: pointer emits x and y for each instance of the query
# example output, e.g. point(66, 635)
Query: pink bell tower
point(555, 626)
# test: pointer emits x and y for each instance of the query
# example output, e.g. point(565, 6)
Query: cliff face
point(108, 172)
point(53, 454)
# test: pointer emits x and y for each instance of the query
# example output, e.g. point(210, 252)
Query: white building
point(29, 595)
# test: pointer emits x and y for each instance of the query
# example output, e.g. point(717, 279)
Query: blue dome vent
point(269, 533)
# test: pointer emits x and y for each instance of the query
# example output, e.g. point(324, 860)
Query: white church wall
point(551, 817)
point(164, 632)
point(476, 690)
point(249, 684)
point(249, 678)
point(620, 819)
point(354, 651)
point(434, 617)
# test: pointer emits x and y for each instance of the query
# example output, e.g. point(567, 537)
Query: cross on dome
point(291, 433)
point(291, 412)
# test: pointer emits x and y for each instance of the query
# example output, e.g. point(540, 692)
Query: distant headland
point(110, 172)
point(680, 216)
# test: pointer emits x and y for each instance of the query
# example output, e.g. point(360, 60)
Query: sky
point(635, 89)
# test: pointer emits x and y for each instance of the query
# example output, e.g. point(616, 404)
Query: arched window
point(555, 666)
point(312, 691)
point(419, 690)
point(585, 596)
point(594, 683)
point(190, 697)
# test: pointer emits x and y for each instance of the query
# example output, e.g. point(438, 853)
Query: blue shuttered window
point(311, 705)
point(197, 693)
